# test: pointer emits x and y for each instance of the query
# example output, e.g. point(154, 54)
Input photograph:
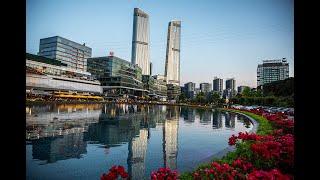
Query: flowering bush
point(266, 175)
point(164, 174)
point(114, 173)
point(257, 156)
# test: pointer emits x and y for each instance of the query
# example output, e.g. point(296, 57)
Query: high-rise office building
point(217, 85)
point(272, 70)
point(205, 87)
point(190, 89)
point(140, 41)
point(231, 84)
point(172, 69)
point(68, 52)
point(230, 90)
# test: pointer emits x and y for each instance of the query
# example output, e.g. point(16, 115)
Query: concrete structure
point(217, 85)
point(161, 87)
point(190, 89)
point(205, 87)
point(231, 84)
point(272, 70)
point(173, 92)
point(172, 69)
point(230, 90)
point(140, 41)
point(55, 76)
point(73, 54)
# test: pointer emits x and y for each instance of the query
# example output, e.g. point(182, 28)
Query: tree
point(200, 98)
point(247, 92)
point(182, 97)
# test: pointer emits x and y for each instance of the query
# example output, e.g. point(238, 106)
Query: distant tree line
point(213, 98)
point(278, 93)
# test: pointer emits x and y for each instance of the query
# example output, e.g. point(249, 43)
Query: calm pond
point(82, 141)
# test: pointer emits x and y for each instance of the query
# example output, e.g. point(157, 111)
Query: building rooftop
point(42, 59)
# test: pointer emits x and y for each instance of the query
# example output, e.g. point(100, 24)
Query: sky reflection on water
point(83, 141)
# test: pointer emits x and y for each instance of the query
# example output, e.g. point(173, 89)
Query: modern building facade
point(118, 77)
point(230, 90)
point(190, 89)
point(205, 87)
point(73, 54)
point(272, 70)
point(140, 41)
point(161, 87)
point(172, 68)
point(217, 85)
point(48, 76)
point(231, 84)
point(173, 92)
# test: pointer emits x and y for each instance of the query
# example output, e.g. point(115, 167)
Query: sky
point(227, 39)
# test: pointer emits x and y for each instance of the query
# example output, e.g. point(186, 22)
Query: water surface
point(83, 141)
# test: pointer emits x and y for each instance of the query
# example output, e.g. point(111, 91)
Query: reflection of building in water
point(170, 138)
point(189, 114)
point(244, 120)
point(216, 120)
point(230, 119)
point(56, 120)
point(113, 132)
point(53, 149)
point(205, 117)
point(137, 155)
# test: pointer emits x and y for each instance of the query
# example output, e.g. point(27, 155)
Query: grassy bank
point(264, 128)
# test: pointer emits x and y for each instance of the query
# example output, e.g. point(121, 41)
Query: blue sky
point(218, 38)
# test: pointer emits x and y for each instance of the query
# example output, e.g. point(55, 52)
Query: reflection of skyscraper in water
point(170, 138)
point(206, 117)
point(216, 120)
point(230, 119)
point(137, 153)
point(189, 115)
point(54, 149)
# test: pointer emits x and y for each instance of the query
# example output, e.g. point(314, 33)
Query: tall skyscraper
point(68, 52)
point(272, 70)
point(140, 41)
point(217, 85)
point(172, 70)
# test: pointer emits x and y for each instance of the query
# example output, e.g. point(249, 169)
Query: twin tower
point(141, 50)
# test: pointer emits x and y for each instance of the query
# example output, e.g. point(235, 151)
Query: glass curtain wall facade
point(118, 77)
point(272, 70)
point(140, 41)
point(172, 69)
point(73, 54)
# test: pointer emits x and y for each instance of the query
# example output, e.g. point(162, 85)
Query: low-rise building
point(46, 76)
point(118, 77)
